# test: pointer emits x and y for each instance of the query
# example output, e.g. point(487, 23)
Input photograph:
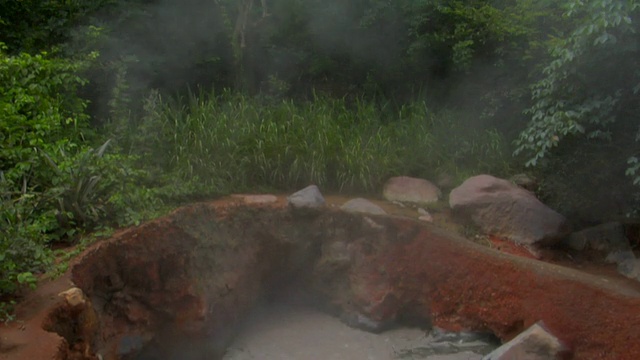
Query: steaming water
point(286, 332)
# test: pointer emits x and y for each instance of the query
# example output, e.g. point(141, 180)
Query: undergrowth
point(216, 143)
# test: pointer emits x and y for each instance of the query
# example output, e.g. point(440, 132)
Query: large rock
point(536, 343)
point(502, 208)
point(363, 206)
point(628, 265)
point(309, 197)
point(411, 190)
point(606, 237)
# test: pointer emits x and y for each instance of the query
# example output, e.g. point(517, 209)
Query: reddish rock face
point(195, 273)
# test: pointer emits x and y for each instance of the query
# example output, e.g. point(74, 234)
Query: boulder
point(610, 240)
point(607, 238)
point(626, 261)
point(363, 206)
point(504, 209)
point(309, 197)
point(411, 190)
point(536, 343)
point(630, 267)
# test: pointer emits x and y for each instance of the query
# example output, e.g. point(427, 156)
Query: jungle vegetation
point(113, 111)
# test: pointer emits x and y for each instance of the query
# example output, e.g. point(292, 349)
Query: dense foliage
point(54, 179)
point(107, 116)
point(584, 116)
point(230, 142)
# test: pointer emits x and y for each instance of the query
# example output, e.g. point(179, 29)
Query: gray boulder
point(604, 237)
point(627, 263)
point(363, 206)
point(502, 208)
point(610, 240)
point(309, 197)
point(536, 343)
point(411, 190)
point(620, 256)
point(630, 267)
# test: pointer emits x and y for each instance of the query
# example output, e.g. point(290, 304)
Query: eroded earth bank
point(185, 281)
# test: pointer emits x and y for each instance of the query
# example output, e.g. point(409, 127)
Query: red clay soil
point(460, 285)
point(509, 247)
point(25, 338)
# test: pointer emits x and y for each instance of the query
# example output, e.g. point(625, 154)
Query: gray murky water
point(294, 332)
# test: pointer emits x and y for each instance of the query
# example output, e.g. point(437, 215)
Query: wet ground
point(303, 333)
point(298, 332)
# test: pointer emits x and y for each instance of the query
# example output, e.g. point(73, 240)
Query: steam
point(173, 45)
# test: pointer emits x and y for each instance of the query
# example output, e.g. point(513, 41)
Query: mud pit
point(192, 277)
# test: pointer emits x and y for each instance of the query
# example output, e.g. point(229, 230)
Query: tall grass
point(230, 142)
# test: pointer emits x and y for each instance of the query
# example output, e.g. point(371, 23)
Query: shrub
point(53, 183)
point(215, 144)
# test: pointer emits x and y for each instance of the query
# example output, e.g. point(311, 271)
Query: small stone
point(363, 322)
point(630, 268)
point(309, 197)
point(373, 224)
point(424, 215)
point(411, 190)
point(73, 296)
point(536, 343)
point(363, 206)
point(620, 256)
point(258, 199)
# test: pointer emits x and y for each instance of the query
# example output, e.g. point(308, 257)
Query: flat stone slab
point(362, 206)
point(536, 343)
